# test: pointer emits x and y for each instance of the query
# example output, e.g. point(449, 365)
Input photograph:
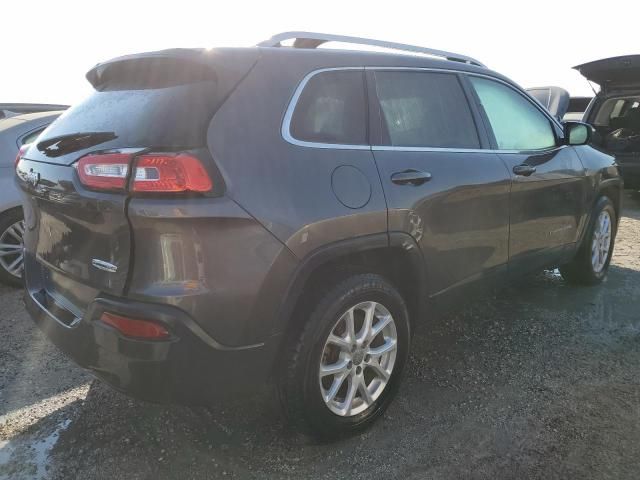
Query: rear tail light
point(135, 328)
point(105, 171)
point(170, 173)
point(21, 152)
point(154, 172)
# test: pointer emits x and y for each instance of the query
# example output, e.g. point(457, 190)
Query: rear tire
point(332, 405)
point(591, 263)
point(11, 252)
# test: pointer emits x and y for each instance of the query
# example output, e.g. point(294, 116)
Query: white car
point(15, 131)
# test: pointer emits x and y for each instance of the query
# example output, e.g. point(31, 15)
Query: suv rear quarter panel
point(211, 259)
point(286, 187)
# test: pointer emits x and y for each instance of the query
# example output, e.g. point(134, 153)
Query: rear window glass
point(615, 111)
point(30, 137)
point(172, 117)
point(332, 109)
point(425, 110)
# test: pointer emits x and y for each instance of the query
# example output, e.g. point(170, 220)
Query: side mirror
point(577, 133)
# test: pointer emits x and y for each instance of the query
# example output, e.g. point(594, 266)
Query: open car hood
point(554, 99)
point(613, 72)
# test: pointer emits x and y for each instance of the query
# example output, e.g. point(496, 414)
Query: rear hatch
point(78, 237)
point(615, 73)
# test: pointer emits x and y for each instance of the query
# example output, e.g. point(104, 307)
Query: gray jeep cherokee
point(210, 220)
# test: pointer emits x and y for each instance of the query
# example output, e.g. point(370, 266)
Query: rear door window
point(332, 109)
point(517, 123)
point(425, 109)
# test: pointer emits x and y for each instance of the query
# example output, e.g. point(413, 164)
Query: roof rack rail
point(314, 40)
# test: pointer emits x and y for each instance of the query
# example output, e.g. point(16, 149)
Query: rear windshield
point(171, 117)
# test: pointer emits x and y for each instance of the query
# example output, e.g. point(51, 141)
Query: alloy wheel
point(358, 359)
point(601, 242)
point(11, 249)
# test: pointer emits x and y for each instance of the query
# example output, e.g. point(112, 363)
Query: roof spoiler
point(145, 64)
point(32, 107)
point(173, 67)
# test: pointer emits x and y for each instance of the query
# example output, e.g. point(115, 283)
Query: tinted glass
point(31, 137)
point(172, 117)
point(517, 124)
point(425, 110)
point(332, 109)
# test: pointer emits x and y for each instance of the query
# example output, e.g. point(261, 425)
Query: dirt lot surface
point(541, 381)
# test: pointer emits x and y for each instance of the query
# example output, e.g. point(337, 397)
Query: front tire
point(591, 263)
point(345, 367)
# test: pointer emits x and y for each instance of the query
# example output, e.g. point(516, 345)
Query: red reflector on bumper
point(135, 328)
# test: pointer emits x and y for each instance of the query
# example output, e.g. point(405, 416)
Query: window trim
point(462, 74)
point(286, 124)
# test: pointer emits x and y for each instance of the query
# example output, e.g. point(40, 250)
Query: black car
point(211, 220)
point(615, 111)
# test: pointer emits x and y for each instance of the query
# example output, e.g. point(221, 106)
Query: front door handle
point(524, 170)
point(410, 177)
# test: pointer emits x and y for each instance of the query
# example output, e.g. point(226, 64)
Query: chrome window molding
point(390, 148)
point(540, 108)
point(286, 124)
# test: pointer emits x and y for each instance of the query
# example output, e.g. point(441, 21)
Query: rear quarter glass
point(168, 118)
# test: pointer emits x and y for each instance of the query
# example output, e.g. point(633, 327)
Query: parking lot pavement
point(540, 381)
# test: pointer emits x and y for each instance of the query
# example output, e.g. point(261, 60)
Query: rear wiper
point(72, 142)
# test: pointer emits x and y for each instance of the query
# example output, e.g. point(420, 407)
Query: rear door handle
point(524, 170)
point(410, 177)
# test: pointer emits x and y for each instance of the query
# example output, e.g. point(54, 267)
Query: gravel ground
point(540, 381)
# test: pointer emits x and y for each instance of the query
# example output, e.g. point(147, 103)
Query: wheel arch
point(394, 255)
point(611, 188)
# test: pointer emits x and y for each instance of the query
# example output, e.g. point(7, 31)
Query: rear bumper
point(190, 368)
